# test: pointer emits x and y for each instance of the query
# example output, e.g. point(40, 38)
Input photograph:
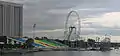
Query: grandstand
point(43, 43)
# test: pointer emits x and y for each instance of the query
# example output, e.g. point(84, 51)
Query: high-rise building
point(11, 19)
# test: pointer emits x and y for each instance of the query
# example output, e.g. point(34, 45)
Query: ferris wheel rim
point(68, 16)
point(66, 22)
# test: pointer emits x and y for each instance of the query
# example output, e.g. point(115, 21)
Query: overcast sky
point(98, 17)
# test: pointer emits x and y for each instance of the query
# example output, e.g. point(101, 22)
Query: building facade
point(11, 19)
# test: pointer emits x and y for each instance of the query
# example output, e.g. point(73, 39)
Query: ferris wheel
point(72, 28)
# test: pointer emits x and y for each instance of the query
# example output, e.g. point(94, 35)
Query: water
point(69, 53)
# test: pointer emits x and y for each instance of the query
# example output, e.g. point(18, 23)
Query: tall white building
point(11, 19)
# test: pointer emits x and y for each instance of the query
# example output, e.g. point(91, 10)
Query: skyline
point(98, 17)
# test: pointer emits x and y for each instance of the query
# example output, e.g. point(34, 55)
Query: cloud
point(59, 11)
point(40, 31)
point(92, 9)
point(110, 20)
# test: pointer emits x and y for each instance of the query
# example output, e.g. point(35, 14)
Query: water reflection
point(69, 53)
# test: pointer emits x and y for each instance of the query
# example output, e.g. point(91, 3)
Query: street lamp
point(34, 30)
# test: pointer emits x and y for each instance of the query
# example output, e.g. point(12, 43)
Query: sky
point(98, 17)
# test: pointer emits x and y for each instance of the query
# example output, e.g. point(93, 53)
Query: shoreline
point(21, 51)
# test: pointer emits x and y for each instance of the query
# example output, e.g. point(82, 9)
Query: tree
point(29, 43)
point(91, 42)
point(44, 38)
point(25, 37)
point(37, 38)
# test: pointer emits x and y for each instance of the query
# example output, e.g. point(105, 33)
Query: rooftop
point(10, 3)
